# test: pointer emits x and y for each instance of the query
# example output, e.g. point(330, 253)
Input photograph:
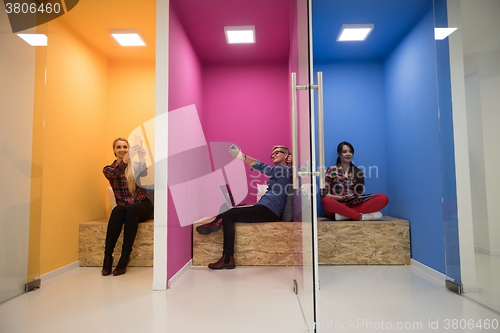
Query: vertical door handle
point(321, 129)
point(295, 176)
point(321, 132)
point(295, 142)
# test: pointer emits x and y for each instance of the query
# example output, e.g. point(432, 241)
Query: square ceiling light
point(240, 35)
point(442, 33)
point(354, 32)
point(127, 37)
point(34, 39)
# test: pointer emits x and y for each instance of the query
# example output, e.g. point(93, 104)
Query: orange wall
point(75, 129)
point(131, 100)
point(90, 100)
point(131, 97)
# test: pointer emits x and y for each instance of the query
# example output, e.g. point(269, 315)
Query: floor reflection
point(487, 274)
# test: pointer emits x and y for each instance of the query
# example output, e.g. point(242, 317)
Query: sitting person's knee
point(132, 209)
point(118, 209)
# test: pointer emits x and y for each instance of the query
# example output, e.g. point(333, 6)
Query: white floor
point(246, 299)
point(385, 298)
point(487, 274)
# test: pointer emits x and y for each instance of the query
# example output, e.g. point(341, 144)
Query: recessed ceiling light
point(34, 39)
point(127, 37)
point(442, 33)
point(354, 32)
point(240, 35)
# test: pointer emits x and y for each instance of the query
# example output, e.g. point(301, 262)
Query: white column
point(161, 147)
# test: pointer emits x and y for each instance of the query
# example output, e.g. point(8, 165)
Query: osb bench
point(92, 236)
point(255, 244)
point(383, 242)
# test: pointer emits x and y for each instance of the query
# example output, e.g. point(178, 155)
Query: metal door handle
point(321, 131)
point(295, 176)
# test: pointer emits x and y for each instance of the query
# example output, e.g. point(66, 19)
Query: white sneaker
point(371, 216)
point(339, 217)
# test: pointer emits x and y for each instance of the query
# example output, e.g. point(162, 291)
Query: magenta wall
point(184, 89)
point(247, 104)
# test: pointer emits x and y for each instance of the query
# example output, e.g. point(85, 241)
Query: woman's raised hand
point(142, 153)
point(126, 158)
point(234, 151)
point(137, 150)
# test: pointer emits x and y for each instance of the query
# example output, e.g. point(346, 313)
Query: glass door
point(387, 96)
point(305, 274)
point(447, 146)
point(473, 53)
point(22, 89)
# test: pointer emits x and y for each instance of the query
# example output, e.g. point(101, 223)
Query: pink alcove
point(241, 92)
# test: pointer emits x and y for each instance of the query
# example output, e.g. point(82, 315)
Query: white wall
point(17, 64)
point(476, 153)
point(484, 90)
point(161, 147)
point(461, 140)
point(480, 23)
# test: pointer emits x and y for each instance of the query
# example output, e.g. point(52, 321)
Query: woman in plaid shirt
point(132, 203)
point(344, 182)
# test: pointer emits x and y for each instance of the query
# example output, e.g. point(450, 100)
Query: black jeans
point(128, 217)
point(257, 213)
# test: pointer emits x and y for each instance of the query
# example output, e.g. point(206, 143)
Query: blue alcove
point(382, 96)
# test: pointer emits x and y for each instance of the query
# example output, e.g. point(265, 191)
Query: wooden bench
point(383, 242)
point(91, 244)
point(265, 243)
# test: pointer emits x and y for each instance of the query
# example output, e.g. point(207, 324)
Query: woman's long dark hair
point(359, 181)
point(339, 149)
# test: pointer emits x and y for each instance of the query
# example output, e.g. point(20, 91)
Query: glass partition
point(22, 92)
point(474, 53)
point(386, 96)
point(303, 152)
point(447, 144)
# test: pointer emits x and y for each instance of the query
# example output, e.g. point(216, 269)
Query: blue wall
point(355, 112)
point(413, 142)
point(388, 109)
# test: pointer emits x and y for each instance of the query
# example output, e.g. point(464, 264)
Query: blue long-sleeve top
point(279, 185)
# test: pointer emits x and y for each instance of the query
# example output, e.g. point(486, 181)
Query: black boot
point(121, 267)
point(208, 228)
point(107, 265)
point(224, 262)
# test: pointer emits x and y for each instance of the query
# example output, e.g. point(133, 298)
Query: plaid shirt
point(115, 173)
point(339, 184)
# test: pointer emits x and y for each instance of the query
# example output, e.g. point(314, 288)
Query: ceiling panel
point(204, 23)
point(92, 19)
point(392, 19)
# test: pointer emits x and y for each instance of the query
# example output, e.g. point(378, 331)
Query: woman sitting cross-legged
point(344, 182)
point(268, 209)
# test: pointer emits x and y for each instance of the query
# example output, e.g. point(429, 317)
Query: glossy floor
point(488, 277)
point(247, 299)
